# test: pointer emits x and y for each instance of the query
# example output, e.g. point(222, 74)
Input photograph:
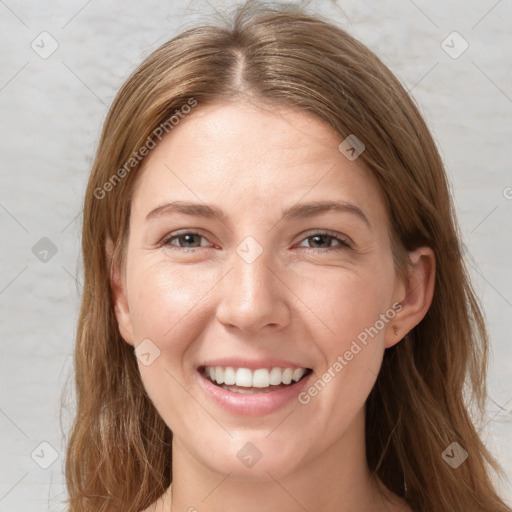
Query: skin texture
point(303, 299)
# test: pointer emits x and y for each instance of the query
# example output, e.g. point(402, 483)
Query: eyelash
point(343, 243)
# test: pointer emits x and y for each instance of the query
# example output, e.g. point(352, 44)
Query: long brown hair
point(430, 384)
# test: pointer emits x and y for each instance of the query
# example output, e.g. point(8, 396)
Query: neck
point(337, 480)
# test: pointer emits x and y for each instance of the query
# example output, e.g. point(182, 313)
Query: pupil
point(188, 238)
point(316, 237)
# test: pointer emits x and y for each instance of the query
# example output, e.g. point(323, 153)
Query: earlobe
point(118, 287)
point(417, 294)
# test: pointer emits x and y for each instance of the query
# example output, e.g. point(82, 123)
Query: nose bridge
point(251, 271)
point(252, 295)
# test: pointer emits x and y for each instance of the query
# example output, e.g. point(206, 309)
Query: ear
point(414, 295)
point(118, 287)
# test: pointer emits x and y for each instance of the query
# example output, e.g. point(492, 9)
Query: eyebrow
point(301, 210)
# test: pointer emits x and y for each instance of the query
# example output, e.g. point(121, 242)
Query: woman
point(276, 314)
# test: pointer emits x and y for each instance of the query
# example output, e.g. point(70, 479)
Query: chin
point(258, 461)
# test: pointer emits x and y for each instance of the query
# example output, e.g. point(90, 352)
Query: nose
point(253, 295)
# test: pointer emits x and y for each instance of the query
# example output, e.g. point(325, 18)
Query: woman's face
point(268, 279)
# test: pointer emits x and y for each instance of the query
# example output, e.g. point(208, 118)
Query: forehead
point(245, 155)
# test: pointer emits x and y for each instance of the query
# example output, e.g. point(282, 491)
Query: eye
point(324, 239)
point(192, 240)
point(186, 240)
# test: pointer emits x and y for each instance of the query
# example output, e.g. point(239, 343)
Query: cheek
point(357, 311)
point(165, 307)
point(350, 305)
point(352, 355)
point(165, 302)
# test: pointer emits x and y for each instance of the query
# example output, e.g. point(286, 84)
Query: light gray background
point(51, 114)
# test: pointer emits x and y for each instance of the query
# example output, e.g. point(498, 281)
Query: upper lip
point(252, 364)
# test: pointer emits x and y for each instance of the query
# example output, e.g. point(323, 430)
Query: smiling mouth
point(261, 380)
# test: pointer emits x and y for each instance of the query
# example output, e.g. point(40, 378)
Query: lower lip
point(254, 404)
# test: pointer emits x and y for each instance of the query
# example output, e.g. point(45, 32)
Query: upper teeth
point(260, 378)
